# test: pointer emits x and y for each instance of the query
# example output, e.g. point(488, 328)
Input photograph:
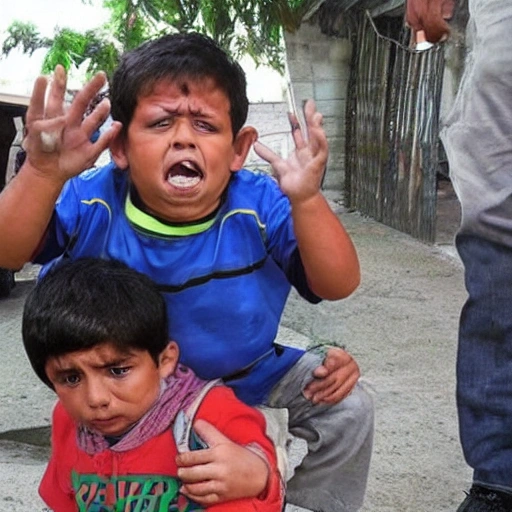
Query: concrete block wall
point(319, 67)
point(271, 121)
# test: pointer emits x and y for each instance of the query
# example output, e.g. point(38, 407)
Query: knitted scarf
point(178, 392)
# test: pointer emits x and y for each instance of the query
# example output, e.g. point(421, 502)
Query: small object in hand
point(49, 141)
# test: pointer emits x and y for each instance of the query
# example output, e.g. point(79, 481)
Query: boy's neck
point(139, 204)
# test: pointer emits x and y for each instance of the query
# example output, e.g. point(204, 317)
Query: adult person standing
point(477, 137)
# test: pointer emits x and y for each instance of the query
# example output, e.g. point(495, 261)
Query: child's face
point(108, 390)
point(179, 148)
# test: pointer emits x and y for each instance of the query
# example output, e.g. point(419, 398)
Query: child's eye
point(162, 123)
point(71, 380)
point(204, 126)
point(119, 371)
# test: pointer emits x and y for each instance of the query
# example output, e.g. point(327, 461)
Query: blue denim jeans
point(484, 364)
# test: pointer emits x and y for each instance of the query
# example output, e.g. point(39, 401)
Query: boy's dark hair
point(189, 56)
point(80, 304)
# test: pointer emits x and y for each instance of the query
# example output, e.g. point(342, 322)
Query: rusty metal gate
point(392, 130)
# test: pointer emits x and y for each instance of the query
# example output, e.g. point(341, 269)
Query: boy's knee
point(358, 408)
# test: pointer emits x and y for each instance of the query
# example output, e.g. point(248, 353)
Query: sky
point(18, 71)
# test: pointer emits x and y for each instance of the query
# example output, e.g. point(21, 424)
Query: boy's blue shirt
point(225, 280)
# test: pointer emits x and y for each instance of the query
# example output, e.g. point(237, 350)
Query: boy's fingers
point(194, 458)
point(55, 101)
point(266, 153)
point(320, 372)
point(35, 109)
point(195, 473)
point(309, 109)
point(97, 117)
point(200, 494)
point(211, 435)
point(297, 135)
point(85, 96)
point(107, 137)
point(336, 394)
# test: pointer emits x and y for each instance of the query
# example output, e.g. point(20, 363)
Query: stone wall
point(319, 68)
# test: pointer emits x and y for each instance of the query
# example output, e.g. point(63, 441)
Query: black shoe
point(481, 499)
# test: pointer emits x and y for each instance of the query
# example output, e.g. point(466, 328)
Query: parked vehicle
point(12, 112)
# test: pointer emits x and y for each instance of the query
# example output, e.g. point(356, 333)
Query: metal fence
point(392, 130)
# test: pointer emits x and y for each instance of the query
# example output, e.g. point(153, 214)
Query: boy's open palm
point(300, 175)
point(225, 471)
point(58, 138)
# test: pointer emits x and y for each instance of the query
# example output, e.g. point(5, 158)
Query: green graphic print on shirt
point(134, 493)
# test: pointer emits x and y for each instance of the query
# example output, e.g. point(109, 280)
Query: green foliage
point(24, 36)
point(241, 27)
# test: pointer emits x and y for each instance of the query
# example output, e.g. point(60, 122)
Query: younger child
point(96, 332)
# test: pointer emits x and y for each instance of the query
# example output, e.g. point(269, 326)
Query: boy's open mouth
point(184, 174)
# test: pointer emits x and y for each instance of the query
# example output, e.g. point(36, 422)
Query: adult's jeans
point(484, 362)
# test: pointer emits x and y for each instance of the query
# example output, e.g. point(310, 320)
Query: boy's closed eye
point(162, 123)
point(204, 126)
point(198, 124)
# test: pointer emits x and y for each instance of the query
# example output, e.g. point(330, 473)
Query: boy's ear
point(242, 144)
point(117, 150)
point(168, 359)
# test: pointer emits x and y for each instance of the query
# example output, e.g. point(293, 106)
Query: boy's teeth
point(188, 165)
point(181, 181)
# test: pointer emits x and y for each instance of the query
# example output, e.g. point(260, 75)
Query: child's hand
point(225, 471)
point(58, 138)
point(334, 378)
point(300, 175)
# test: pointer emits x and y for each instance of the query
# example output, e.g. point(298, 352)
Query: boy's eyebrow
point(198, 112)
point(118, 361)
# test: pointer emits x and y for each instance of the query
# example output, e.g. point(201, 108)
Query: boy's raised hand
point(300, 174)
point(225, 471)
point(334, 378)
point(58, 137)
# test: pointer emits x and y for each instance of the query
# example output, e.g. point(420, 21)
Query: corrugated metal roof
point(334, 15)
point(377, 7)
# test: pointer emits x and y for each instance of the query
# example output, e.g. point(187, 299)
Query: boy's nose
point(183, 136)
point(97, 395)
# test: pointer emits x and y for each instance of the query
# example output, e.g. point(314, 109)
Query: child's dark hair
point(172, 57)
point(80, 304)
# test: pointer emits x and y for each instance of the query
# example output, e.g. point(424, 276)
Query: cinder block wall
point(319, 68)
point(271, 121)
